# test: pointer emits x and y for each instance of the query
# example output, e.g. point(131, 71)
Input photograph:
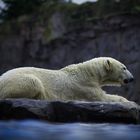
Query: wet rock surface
point(72, 111)
point(41, 130)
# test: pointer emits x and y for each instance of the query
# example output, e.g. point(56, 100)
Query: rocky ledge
point(71, 111)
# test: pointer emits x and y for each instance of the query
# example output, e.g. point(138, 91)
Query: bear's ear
point(107, 65)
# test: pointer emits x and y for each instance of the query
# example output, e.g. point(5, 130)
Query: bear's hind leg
point(22, 86)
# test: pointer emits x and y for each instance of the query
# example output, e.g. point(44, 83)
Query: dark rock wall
point(117, 36)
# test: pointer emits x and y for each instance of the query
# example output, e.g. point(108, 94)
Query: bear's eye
point(124, 68)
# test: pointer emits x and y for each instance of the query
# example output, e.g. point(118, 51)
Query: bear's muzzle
point(128, 80)
point(128, 77)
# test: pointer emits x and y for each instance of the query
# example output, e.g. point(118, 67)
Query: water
point(36, 130)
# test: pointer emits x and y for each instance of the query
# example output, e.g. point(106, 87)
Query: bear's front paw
point(133, 104)
point(129, 103)
point(122, 99)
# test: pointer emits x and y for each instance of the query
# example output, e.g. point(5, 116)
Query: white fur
point(81, 81)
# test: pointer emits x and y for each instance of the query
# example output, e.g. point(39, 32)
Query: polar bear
point(83, 81)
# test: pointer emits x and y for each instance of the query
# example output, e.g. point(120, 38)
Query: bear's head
point(115, 73)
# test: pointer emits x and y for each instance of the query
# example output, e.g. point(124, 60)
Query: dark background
point(54, 34)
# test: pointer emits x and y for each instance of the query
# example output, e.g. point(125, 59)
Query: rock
point(71, 111)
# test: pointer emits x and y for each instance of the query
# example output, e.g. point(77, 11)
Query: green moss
point(137, 8)
point(48, 32)
point(8, 28)
point(73, 15)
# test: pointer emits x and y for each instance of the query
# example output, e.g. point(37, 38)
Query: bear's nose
point(128, 80)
